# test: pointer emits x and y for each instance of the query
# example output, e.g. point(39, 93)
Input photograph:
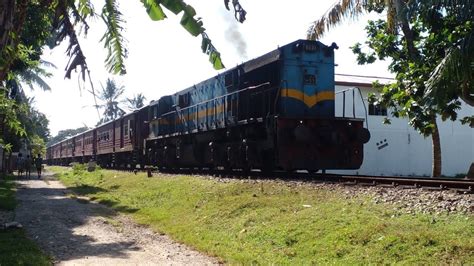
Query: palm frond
point(109, 96)
point(73, 51)
point(31, 78)
point(135, 103)
point(113, 40)
point(47, 64)
point(85, 8)
point(454, 75)
point(334, 16)
point(463, 10)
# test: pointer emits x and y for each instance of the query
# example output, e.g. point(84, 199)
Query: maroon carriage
point(67, 147)
point(105, 143)
point(56, 153)
point(128, 136)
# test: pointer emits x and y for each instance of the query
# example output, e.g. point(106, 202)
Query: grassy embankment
point(15, 247)
point(271, 222)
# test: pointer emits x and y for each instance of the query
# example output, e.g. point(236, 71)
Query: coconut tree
point(137, 102)
point(110, 97)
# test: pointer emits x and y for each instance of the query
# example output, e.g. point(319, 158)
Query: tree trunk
point(405, 26)
point(12, 17)
point(436, 170)
point(467, 94)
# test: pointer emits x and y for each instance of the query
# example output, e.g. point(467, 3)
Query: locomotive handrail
point(219, 97)
point(181, 111)
point(353, 103)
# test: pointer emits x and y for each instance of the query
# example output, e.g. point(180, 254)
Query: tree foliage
point(27, 27)
point(10, 123)
point(137, 102)
point(415, 50)
point(64, 134)
point(110, 97)
point(407, 95)
point(21, 123)
point(453, 76)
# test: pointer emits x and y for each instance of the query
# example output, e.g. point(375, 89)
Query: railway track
point(460, 185)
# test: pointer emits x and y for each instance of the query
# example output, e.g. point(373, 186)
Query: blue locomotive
point(272, 112)
point(275, 112)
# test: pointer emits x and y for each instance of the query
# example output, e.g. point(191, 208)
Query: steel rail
point(460, 185)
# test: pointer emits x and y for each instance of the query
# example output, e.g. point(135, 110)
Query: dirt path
point(78, 232)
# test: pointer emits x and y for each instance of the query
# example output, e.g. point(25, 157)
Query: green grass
point(271, 222)
point(7, 194)
point(15, 247)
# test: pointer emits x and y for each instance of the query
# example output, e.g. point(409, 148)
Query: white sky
point(165, 58)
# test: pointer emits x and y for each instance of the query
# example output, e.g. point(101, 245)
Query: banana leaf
point(191, 25)
point(215, 59)
point(174, 6)
point(154, 10)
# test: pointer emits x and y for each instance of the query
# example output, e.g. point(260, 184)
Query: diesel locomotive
point(275, 112)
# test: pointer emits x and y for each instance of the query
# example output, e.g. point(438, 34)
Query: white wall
point(397, 149)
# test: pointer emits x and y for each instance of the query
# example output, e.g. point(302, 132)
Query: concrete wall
point(397, 149)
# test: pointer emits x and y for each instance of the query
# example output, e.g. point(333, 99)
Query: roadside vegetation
point(275, 222)
point(15, 247)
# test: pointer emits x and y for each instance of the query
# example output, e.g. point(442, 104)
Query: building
point(397, 149)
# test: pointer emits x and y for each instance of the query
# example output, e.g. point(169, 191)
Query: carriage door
point(121, 133)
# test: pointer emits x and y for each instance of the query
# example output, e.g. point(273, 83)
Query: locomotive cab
point(307, 80)
point(309, 136)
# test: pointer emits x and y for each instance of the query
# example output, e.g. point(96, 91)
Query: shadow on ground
point(66, 227)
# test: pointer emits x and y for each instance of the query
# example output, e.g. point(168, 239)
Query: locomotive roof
point(248, 66)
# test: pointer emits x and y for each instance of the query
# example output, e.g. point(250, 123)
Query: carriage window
point(125, 130)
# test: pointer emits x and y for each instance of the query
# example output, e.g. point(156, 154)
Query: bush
point(78, 168)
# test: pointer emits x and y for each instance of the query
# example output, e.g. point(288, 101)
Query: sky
point(164, 58)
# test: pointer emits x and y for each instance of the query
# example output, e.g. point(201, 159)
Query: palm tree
point(109, 95)
point(458, 64)
point(137, 102)
point(32, 77)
